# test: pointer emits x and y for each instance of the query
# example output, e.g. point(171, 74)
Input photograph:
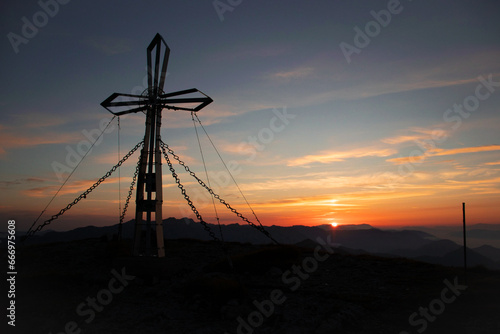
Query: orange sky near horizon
point(380, 209)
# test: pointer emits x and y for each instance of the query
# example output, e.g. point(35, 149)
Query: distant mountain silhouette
point(379, 241)
point(433, 248)
point(353, 239)
point(485, 226)
point(481, 234)
point(456, 259)
point(489, 251)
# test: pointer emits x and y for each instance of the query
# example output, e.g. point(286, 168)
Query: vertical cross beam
point(149, 195)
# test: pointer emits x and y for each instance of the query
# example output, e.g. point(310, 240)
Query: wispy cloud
point(323, 200)
point(416, 134)
point(406, 160)
point(463, 150)
point(433, 152)
point(246, 51)
point(110, 45)
point(16, 182)
point(299, 72)
point(493, 163)
point(37, 120)
point(76, 188)
point(334, 156)
point(326, 181)
point(389, 78)
point(10, 140)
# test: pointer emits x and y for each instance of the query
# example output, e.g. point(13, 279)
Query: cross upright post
point(149, 193)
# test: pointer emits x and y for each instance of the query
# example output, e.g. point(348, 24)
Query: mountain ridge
point(352, 239)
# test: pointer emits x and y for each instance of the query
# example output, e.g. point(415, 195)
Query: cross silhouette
point(149, 195)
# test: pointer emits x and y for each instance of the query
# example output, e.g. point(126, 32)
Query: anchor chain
point(127, 201)
point(187, 198)
point(84, 194)
point(203, 184)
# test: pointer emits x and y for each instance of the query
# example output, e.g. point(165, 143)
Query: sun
point(334, 224)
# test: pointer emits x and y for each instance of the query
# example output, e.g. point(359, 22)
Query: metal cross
point(149, 194)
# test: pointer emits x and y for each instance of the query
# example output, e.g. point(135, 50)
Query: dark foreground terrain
point(94, 286)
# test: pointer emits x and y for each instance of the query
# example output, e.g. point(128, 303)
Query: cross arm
point(140, 104)
point(203, 101)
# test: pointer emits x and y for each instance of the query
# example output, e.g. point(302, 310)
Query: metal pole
point(159, 190)
point(150, 186)
point(141, 179)
point(465, 244)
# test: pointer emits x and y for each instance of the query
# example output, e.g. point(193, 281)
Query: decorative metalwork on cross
point(149, 195)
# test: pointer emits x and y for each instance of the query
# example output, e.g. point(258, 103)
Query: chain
point(186, 196)
point(85, 193)
point(127, 201)
point(193, 116)
point(176, 157)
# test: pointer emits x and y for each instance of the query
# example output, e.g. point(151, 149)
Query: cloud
point(76, 188)
point(300, 72)
point(425, 84)
point(407, 160)
point(323, 200)
point(29, 180)
point(377, 196)
point(19, 140)
point(493, 181)
point(37, 120)
point(348, 83)
point(31, 130)
point(463, 150)
point(493, 163)
point(110, 45)
point(243, 148)
point(335, 156)
point(325, 181)
point(417, 134)
point(373, 89)
point(434, 152)
point(247, 51)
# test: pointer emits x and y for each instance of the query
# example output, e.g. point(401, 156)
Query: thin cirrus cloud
point(109, 45)
point(335, 156)
point(493, 163)
point(409, 159)
point(475, 149)
point(407, 77)
point(418, 134)
point(244, 52)
point(323, 200)
point(443, 152)
point(324, 181)
point(76, 188)
point(17, 182)
point(299, 72)
point(363, 91)
point(10, 141)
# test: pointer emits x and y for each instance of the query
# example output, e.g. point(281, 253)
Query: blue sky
point(348, 153)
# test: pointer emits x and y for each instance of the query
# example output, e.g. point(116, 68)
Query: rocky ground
point(93, 286)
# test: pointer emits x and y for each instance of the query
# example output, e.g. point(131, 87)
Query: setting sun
point(334, 224)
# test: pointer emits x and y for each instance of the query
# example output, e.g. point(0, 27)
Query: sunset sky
point(352, 112)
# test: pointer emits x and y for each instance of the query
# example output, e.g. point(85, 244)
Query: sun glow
point(334, 224)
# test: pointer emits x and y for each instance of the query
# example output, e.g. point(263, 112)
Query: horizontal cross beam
point(142, 102)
